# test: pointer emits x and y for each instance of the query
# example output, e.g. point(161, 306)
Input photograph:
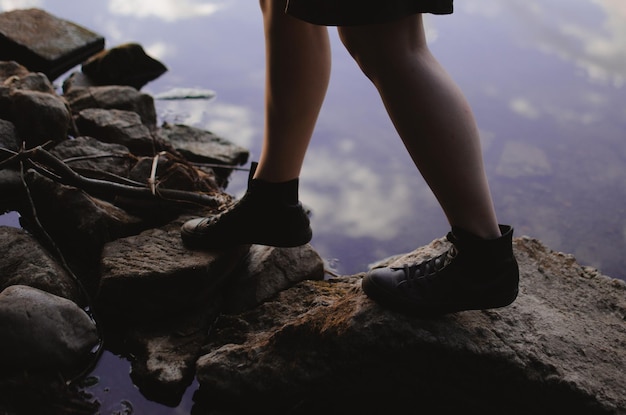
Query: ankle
point(480, 232)
point(281, 192)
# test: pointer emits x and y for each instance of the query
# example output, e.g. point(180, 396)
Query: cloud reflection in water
point(232, 122)
point(352, 199)
point(569, 32)
point(7, 5)
point(168, 10)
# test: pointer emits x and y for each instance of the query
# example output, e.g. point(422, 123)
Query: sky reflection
point(591, 34)
point(166, 10)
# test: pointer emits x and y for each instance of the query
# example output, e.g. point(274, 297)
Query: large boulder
point(324, 347)
point(45, 43)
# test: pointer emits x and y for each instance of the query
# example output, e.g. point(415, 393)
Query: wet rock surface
point(323, 347)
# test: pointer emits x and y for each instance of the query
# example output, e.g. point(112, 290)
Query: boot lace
point(429, 269)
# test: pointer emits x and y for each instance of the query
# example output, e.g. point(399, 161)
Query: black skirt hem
point(362, 12)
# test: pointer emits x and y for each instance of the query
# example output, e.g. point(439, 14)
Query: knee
point(362, 50)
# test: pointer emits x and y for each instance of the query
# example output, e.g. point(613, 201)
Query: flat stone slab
point(45, 43)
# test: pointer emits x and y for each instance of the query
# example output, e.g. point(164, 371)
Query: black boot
point(473, 274)
point(268, 214)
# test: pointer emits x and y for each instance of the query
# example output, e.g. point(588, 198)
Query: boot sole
point(403, 305)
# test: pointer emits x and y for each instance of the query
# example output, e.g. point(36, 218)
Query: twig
point(153, 170)
point(219, 166)
point(70, 177)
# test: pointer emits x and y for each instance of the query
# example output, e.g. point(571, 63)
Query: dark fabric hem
point(362, 12)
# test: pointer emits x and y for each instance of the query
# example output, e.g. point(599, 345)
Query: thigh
point(385, 44)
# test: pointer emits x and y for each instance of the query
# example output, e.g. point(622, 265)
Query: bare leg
point(297, 75)
point(431, 116)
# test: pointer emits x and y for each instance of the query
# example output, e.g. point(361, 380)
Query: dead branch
point(46, 163)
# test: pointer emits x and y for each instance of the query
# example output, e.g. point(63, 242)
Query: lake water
point(546, 81)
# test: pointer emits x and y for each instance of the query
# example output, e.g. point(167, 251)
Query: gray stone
point(86, 154)
point(43, 331)
point(126, 64)
point(152, 275)
point(39, 117)
point(560, 348)
point(8, 70)
point(120, 127)
point(31, 82)
point(114, 97)
point(11, 68)
point(25, 262)
point(267, 271)
point(202, 146)
point(44, 43)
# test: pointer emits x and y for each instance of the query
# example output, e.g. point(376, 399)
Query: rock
point(177, 297)
point(88, 155)
point(11, 68)
point(120, 127)
point(79, 224)
point(31, 82)
point(25, 262)
point(43, 331)
point(323, 346)
point(8, 70)
point(114, 97)
point(267, 271)
point(202, 146)
point(126, 64)
point(44, 43)
point(152, 275)
point(163, 352)
point(39, 117)
point(8, 136)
